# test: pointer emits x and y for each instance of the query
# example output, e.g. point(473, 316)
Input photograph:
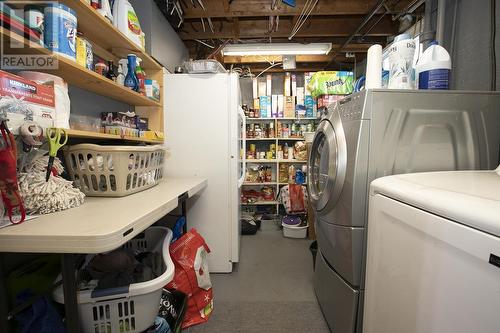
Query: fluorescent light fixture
point(276, 49)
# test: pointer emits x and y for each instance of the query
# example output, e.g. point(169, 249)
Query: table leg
point(70, 293)
point(4, 299)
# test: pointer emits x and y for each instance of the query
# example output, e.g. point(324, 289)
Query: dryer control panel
point(351, 107)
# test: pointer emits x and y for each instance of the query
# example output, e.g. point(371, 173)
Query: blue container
point(60, 30)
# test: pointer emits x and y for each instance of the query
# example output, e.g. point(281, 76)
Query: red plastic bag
point(189, 254)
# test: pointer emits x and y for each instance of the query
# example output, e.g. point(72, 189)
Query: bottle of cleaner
point(124, 63)
point(125, 19)
point(400, 61)
point(141, 76)
point(131, 80)
point(105, 10)
point(433, 68)
point(120, 78)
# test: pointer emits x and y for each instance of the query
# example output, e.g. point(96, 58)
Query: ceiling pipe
point(367, 18)
point(440, 21)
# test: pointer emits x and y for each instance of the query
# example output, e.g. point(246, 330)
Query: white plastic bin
point(294, 232)
point(132, 308)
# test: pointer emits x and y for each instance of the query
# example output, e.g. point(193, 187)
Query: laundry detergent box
point(24, 100)
point(331, 83)
point(289, 107)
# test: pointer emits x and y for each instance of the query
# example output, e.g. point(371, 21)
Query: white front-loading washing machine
point(376, 133)
point(433, 254)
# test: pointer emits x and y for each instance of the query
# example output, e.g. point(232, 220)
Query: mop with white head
point(41, 197)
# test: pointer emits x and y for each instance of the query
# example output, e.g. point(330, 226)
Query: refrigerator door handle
point(241, 114)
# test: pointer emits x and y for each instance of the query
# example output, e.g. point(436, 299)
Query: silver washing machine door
point(327, 163)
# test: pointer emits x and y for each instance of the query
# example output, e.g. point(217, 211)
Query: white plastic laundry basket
point(132, 308)
point(114, 171)
point(294, 232)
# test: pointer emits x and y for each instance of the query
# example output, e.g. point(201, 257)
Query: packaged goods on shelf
point(289, 107)
point(310, 105)
point(287, 85)
point(269, 80)
point(307, 79)
point(152, 89)
point(331, 83)
point(262, 89)
point(256, 103)
point(255, 93)
point(294, 84)
point(274, 106)
point(325, 100)
point(21, 98)
point(263, 106)
point(281, 105)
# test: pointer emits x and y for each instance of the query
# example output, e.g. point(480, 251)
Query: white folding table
point(99, 225)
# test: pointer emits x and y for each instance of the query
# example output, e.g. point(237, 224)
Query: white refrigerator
point(203, 128)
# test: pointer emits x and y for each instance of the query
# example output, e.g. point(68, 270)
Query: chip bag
point(189, 254)
point(331, 83)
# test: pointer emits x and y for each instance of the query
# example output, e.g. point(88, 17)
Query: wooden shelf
point(281, 184)
point(259, 203)
point(291, 161)
point(75, 74)
point(104, 136)
point(291, 139)
point(260, 139)
point(100, 31)
point(260, 161)
point(259, 184)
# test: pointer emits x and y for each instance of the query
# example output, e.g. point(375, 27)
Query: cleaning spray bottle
point(141, 76)
point(120, 78)
point(131, 79)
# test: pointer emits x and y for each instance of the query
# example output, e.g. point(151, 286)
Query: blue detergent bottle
point(131, 80)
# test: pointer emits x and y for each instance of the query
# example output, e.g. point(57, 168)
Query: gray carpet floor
point(271, 291)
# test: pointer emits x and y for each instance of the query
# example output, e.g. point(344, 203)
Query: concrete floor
point(271, 291)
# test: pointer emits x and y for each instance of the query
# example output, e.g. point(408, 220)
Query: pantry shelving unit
point(275, 163)
point(110, 44)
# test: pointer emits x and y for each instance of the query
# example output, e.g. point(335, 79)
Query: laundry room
point(244, 166)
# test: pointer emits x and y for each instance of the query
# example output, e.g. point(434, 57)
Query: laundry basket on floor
point(114, 171)
point(129, 309)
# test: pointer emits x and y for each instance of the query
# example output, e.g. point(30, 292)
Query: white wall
point(162, 42)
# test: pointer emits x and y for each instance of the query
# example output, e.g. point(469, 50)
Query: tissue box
point(37, 98)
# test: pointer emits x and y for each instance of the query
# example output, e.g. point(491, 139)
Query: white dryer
point(433, 259)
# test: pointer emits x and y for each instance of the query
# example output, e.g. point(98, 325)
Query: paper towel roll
point(374, 67)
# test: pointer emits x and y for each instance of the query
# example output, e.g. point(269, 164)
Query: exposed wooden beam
point(236, 28)
point(319, 27)
point(217, 8)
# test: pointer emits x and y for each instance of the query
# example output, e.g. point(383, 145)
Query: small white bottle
point(433, 68)
point(120, 78)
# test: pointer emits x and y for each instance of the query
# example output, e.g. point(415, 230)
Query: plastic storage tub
point(294, 232)
point(114, 171)
point(132, 308)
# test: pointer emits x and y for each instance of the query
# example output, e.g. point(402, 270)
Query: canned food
point(81, 50)
point(90, 55)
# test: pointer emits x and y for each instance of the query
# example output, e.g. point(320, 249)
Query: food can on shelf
point(81, 50)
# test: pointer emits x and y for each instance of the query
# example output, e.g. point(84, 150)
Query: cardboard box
point(255, 92)
point(262, 89)
point(152, 89)
point(269, 83)
point(281, 106)
point(287, 85)
point(300, 96)
point(263, 103)
point(269, 107)
point(294, 85)
point(256, 103)
point(309, 104)
point(307, 79)
point(274, 106)
point(289, 110)
point(37, 98)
